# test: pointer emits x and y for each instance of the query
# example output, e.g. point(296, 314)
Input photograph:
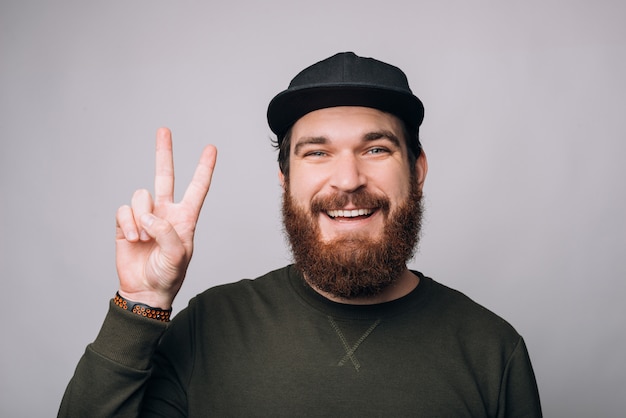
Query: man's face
point(352, 199)
point(341, 151)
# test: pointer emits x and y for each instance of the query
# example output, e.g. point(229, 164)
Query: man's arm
point(154, 244)
point(110, 378)
point(519, 395)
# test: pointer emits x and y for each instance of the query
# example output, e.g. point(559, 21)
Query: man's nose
point(347, 175)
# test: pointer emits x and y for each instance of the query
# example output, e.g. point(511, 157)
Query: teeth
point(348, 213)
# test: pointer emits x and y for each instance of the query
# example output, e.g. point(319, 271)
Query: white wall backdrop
point(524, 131)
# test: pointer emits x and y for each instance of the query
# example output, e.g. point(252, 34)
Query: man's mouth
point(353, 213)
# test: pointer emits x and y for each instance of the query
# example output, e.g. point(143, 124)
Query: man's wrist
point(142, 309)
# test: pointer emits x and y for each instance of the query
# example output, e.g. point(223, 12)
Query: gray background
point(524, 132)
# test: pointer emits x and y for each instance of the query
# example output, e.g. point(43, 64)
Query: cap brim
point(290, 105)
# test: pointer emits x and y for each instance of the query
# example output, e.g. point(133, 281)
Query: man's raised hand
point(154, 237)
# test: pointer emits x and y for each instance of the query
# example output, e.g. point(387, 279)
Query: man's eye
point(315, 154)
point(377, 150)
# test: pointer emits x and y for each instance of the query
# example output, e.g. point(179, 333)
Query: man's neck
point(405, 284)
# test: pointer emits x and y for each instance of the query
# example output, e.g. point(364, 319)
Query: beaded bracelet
point(159, 314)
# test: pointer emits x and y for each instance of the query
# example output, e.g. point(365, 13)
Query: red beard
point(353, 266)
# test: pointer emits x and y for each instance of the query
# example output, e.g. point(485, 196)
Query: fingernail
point(147, 219)
point(131, 236)
point(143, 235)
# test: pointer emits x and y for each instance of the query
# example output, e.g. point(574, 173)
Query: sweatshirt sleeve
point(111, 376)
point(519, 395)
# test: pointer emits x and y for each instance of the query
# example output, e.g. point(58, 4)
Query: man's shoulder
point(270, 280)
point(273, 284)
point(459, 311)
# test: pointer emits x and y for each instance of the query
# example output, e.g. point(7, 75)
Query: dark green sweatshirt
point(273, 347)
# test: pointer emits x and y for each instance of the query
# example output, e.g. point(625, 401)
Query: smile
point(349, 213)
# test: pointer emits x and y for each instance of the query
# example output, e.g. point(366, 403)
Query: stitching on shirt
point(351, 350)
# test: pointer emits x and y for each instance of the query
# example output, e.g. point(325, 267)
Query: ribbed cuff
point(127, 338)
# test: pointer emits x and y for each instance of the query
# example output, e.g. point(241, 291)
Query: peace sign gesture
point(154, 237)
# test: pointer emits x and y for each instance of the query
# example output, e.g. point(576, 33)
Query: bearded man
point(348, 329)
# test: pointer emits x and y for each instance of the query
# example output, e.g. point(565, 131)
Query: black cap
point(345, 79)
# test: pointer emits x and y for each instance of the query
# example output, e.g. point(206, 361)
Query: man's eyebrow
point(370, 136)
point(312, 140)
point(373, 136)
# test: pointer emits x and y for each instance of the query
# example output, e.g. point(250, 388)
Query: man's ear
point(421, 169)
point(281, 178)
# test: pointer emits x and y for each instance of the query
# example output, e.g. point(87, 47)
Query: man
point(347, 330)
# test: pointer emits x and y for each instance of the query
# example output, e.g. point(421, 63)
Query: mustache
point(359, 199)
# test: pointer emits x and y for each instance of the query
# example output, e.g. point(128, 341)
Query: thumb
point(164, 234)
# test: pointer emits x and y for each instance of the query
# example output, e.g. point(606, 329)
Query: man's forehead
point(354, 120)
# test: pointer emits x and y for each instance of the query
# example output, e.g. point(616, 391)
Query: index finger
point(164, 172)
point(201, 181)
